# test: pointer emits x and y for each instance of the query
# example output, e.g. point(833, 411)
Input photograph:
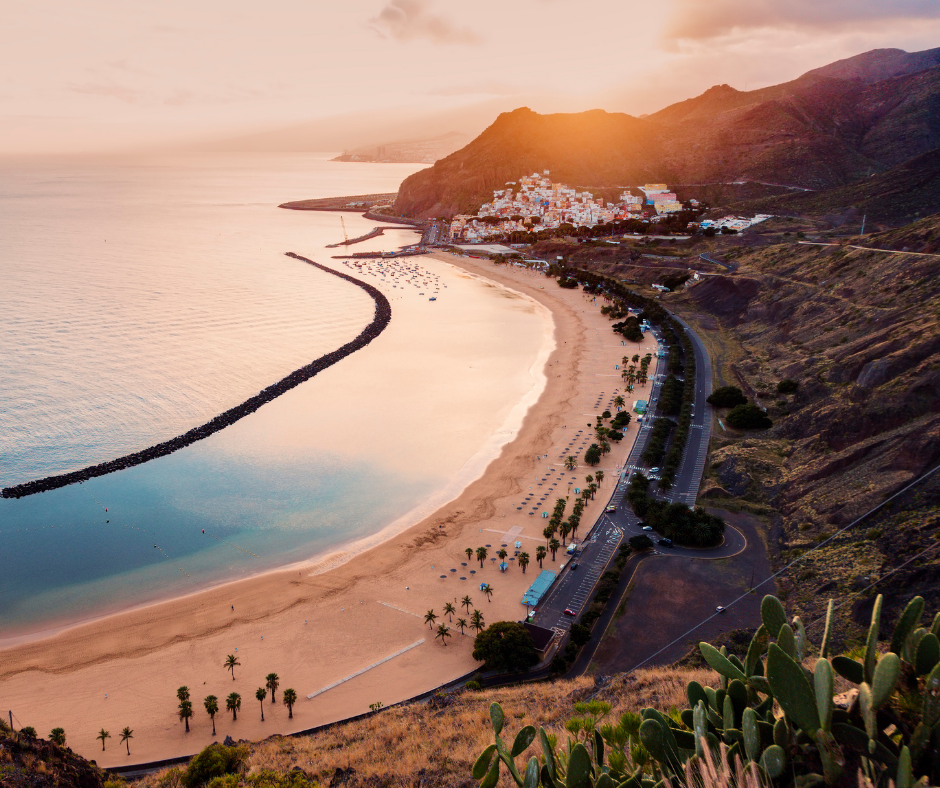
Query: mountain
point(830, 128)
point(425, 151)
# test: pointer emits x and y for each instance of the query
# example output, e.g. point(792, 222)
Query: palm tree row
point(476, 619)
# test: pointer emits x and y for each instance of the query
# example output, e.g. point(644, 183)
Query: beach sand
point(315, 627)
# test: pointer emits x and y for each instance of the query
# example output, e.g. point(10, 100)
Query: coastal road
point(573, 590)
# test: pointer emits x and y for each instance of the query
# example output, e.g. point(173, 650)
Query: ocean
point(141, 298)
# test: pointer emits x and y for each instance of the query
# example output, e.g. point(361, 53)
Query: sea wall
point(381, 319)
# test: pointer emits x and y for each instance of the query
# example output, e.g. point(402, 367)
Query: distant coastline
point(381, 319)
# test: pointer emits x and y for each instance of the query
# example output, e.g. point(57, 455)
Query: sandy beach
point(316, 625)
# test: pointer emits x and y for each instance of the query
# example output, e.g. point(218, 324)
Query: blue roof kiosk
point(537, 590)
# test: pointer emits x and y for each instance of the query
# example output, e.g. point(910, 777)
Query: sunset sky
point(105, 75)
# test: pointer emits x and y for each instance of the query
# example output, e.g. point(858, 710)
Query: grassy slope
point(860, 330)
point(435, 744)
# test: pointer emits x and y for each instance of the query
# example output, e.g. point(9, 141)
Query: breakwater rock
point(381, 319)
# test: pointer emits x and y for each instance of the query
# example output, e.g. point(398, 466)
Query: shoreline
point(380, 320)
point(131, 661)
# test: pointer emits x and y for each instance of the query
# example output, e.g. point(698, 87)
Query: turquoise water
point(139, 300)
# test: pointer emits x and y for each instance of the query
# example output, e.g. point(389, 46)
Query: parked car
point(569, 612)
point(654, 470)
point(666, 542)
point(574, 565)
point(647, 528)
point(719, 609)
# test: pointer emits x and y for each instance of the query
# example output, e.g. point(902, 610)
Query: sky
point(112, 75)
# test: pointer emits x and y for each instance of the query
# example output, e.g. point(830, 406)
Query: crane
point(345, 236)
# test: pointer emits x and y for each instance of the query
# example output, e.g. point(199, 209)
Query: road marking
point(401, 609)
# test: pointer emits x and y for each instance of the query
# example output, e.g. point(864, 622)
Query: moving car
point(719, 609)
point(574, 565)
point(666, 542)
point(569, 612)
point(611, 508)
point(647, 528)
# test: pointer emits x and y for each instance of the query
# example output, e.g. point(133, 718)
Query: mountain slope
point(829, 128)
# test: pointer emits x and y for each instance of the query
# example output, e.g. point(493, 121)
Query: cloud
point(406, 20)
point(697, 20)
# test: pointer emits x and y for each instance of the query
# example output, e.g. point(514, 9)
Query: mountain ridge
point(816, 132)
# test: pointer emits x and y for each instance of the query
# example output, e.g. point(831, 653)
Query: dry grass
point(435, 744)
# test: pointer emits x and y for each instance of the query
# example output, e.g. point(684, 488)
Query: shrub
point(727, 397)
point(748, 417)
point(216, 760)
point(473, 686)
point(787, 386)
point(640, 542)
point(568, 283)
point(580, 634)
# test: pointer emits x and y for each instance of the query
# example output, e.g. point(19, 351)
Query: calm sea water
point(138, 300)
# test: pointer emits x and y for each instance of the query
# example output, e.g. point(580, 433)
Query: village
point(536, 203)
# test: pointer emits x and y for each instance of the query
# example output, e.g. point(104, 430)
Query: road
point(574, 588)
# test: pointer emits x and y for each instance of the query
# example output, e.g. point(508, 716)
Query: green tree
point(523, 561)
point(726, 397)
point(540, 552)
point(260, 694)
point(748, 417)
point(593, 455)
point(481, 555)
point(231, 662)
point(476, 621)
point(442, 633)
point(570, 463)
point(185, 712)
point(467, 602)
point(233, 703)
point(506, 647)
point(57, 736)
point(462, 625)
point(126, 735)
point(289, 698)
point(553, 545)
point(429, 618)
point(103, 734)
point(211, 704)
point(272, 681)
point(487, 591)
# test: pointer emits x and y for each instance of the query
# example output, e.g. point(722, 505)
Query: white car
point(647, 528)
point(654, 470)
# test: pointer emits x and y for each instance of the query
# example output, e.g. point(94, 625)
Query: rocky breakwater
point(381, 319)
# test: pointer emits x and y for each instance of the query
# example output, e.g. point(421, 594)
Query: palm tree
point(272, 681)
point(589, 478)
point(476, 621)
point(261, 693)
point(540, 552)
point(523, 560)
point(600, 477)
point(211, 704)
point(57, 735)
point(185, 711)
point(126, 735)
point(233, 703)
point(469, 552)
point(481, 555)
point(231, 662)
point(488, 591)
point(570, 463)
point(182, 693)
point(462, 624)
point(442, 633)
point(289, 698)
point(103, 734)
point(553, 546)
point(548, 532)
point(429, 618)
point(467, 602)
point(636, 358)
point(449, 610)
point(618, 401)
point(564, 530)
point(502, 554)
